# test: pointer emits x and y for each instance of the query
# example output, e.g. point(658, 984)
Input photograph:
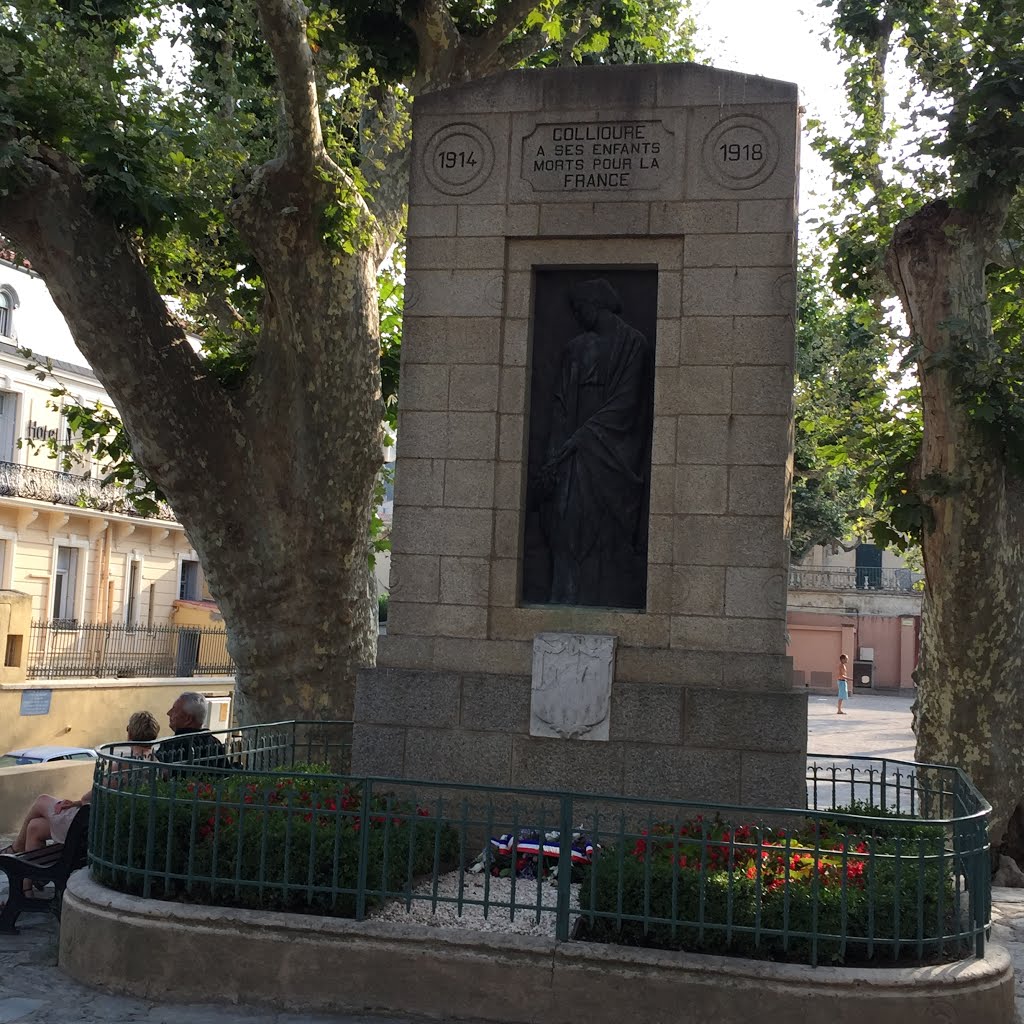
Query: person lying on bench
point(47, 818)
point(50, 818)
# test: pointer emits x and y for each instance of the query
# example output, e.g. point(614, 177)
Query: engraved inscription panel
point(741, 152)
point(572, 686)
point(598, 155)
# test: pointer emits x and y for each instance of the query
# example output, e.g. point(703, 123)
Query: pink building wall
point(817, 639)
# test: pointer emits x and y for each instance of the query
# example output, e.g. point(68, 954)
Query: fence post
point(105, 639)
point(983, 884)
point(147, 875)
point(364, 849)
point(564, 869)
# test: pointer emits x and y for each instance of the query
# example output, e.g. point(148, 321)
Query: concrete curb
point(150, 949)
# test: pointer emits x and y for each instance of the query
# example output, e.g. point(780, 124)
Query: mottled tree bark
point(970, 705)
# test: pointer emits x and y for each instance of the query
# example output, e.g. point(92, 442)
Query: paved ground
point(873, 725)
point(33, 989)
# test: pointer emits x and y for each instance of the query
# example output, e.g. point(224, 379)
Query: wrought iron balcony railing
point(890, 580)
point(68, 489)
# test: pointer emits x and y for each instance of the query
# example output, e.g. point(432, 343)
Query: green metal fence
point(888, 861)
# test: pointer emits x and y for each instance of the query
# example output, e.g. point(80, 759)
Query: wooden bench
point(53, 863)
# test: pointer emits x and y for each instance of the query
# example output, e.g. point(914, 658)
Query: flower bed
point(841, 884)
point(858, 894)
point(287, 842)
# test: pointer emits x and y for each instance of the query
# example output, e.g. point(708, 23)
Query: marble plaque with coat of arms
point(572, 686)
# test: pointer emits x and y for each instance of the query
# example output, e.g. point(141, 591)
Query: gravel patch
point(471, 917)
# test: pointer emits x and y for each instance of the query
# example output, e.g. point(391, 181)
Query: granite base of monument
point(673, 742)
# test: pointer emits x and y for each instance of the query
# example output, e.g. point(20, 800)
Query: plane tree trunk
point(970, 704)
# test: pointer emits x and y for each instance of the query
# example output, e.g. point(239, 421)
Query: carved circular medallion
point(741, 151)
point(458, 159)
point(775, 593)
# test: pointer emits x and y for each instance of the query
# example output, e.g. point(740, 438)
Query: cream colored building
point(118, 601)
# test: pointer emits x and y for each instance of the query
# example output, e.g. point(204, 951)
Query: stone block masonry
point(676, 184)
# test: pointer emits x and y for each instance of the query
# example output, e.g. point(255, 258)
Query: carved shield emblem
point(572, 685)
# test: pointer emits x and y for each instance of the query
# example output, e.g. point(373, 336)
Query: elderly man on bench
point(192, 743)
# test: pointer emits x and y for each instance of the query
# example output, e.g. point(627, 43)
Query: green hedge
point(274, 843)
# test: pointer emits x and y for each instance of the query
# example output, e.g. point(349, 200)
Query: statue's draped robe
point(601, 426)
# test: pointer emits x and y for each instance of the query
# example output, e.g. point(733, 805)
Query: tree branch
point(572, 39)
point(1006, 252)
point(439, 44)
point(513, 53)
point(383, 132)
point(284, 26)
point(508, 16)
point(117, 318)
point(282, 204)
point(493, 52)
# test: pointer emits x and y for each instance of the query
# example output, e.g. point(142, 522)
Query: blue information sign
point(35, 702)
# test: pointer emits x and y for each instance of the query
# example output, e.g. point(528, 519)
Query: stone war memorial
point(589, 558)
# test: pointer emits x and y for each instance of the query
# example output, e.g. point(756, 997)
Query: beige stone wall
point(15, 624)
point(88, 712)
point(722, 430)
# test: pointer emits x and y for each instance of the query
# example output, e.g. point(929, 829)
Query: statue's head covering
point(595, 294)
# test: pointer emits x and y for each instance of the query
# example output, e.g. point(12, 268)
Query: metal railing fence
point(890, 580)
point(67, 648)
point(888, 862)
point(60, 488)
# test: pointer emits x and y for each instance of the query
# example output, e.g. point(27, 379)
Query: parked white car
point(37, 755)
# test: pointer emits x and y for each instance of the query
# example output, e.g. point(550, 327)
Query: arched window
point(8, 304)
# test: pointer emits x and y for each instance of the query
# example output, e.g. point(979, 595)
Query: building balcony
point(17, 481)
point(900, 581)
